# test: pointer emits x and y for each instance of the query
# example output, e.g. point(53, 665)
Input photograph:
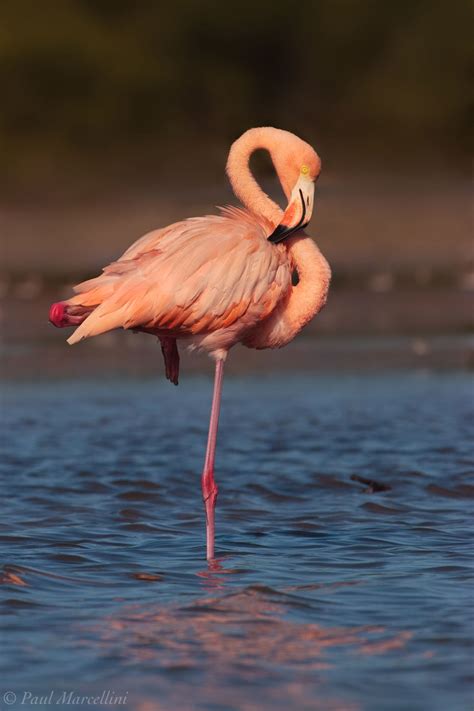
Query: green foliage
point(86, 76)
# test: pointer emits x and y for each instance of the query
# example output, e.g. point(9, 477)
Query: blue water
point(325, 594)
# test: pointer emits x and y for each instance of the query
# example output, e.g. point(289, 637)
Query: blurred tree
point(95, 78)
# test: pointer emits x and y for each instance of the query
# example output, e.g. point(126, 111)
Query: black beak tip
point(281, 231)
point(279, 234)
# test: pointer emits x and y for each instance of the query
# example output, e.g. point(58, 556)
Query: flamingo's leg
point(171, 357)
point(209, 486)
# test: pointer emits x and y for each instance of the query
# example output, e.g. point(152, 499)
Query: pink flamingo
point(217, 280)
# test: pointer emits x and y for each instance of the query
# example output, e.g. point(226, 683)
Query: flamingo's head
point(298, 167)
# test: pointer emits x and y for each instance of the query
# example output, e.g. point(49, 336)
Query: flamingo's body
point(217, 280)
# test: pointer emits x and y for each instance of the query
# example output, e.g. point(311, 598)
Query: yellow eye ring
point(304, 170)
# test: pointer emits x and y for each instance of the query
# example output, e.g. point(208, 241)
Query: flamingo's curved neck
point(301, 303)
point(243, 183)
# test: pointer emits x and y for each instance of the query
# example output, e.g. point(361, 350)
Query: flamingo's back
point(194, 277)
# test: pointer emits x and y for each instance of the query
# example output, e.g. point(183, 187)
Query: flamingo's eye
point(304, 170)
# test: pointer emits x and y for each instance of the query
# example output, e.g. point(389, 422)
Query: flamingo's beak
point(299, 210)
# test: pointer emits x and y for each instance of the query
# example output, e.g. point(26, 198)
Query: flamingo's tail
point(97, 321)
point(63, 314)
point(89, 299)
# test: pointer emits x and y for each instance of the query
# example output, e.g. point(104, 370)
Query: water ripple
point(344, 571)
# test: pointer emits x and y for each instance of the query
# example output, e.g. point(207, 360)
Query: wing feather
point(190, 278)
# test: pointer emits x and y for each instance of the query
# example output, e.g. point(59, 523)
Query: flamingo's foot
point(171, 358)
point(56, 314)
point(61, 314)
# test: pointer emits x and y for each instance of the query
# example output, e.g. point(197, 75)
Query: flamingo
point(217, 280)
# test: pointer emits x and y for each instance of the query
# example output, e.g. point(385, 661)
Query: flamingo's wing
point(194, 277)
point(93, 292)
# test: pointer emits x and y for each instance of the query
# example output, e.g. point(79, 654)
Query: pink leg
point(209, 487)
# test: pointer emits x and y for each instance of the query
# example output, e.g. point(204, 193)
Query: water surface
point(327, 593)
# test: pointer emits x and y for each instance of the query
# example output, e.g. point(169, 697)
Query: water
point(325, 594)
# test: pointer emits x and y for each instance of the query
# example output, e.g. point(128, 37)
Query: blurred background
point(116, 119)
